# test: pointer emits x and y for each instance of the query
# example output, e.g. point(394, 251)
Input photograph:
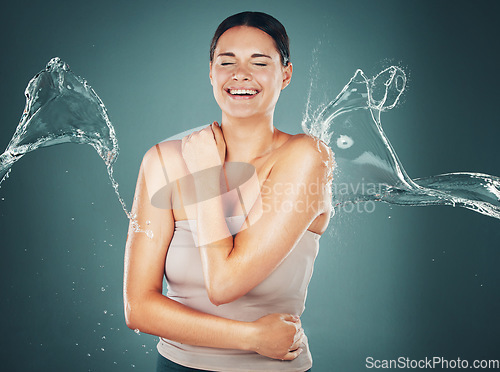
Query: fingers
point(292, 354)
point(295, 349)
point(214, 128)
point(218, 135)
point(291, 318)
point(297, 339)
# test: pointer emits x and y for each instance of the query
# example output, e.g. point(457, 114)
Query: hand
point(204, 149)
point(279, 336)
point(219, 141)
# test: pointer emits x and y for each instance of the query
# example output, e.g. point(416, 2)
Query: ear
point(287, 75)
point(210, 74)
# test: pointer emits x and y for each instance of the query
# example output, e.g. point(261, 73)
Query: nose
point(242, 73)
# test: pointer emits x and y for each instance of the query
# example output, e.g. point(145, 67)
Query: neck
point(248, 138)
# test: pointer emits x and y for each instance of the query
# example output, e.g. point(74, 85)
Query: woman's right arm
point(148, 310)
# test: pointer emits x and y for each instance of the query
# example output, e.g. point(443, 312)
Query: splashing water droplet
point(344, 142)
point(137, 331)
point(367, 167)
point(62, 107)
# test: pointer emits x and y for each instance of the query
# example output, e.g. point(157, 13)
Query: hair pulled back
point(263, 22)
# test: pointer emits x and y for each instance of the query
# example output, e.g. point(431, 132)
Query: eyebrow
point(255, 55)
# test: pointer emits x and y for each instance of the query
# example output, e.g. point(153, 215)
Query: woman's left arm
point(296, 191)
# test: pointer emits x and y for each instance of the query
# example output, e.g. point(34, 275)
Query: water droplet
point(136, 331)
point(103, 289)
point(148, 222)
point(344, 142)
point(105, 311)
point(102, 349)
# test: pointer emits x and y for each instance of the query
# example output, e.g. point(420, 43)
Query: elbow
point(222, 294)
point(218, 299)
point(132, 320)
point(137, 310)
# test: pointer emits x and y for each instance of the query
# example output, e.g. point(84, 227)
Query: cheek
point(271, 80)
point(219, 77)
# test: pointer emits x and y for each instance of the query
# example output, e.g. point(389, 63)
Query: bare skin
point(276, 336)
point(245, 58)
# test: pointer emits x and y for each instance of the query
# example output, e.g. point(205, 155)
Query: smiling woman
point(237, 257)
point(247, 73)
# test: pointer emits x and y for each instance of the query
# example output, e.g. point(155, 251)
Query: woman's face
point(246, 73)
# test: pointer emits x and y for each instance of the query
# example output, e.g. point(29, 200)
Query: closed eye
point(226, 64)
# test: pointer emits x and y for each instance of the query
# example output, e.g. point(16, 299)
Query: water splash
point(62, 107)
point(367, 167)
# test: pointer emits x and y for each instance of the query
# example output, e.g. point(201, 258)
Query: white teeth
point(242, 91)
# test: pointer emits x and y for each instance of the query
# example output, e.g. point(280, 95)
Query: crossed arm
point(276, 335)
point(295, 192)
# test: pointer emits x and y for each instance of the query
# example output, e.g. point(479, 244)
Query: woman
point(235, 213)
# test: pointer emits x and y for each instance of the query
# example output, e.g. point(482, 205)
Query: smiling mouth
point(242, 92)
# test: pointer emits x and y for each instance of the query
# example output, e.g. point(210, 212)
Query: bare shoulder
point(302, 149)
point(170, 149)
point(166, 155)
point(162, 164)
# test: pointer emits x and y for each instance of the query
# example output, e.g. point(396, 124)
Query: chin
point(240, 113)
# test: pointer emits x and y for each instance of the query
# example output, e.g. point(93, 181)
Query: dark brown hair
point(262, 21)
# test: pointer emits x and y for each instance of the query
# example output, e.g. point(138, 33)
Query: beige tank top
point(284, 291)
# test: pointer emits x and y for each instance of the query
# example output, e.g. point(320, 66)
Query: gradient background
point(401, 281)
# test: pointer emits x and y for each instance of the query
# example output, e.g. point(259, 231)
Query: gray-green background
point(412, 282)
